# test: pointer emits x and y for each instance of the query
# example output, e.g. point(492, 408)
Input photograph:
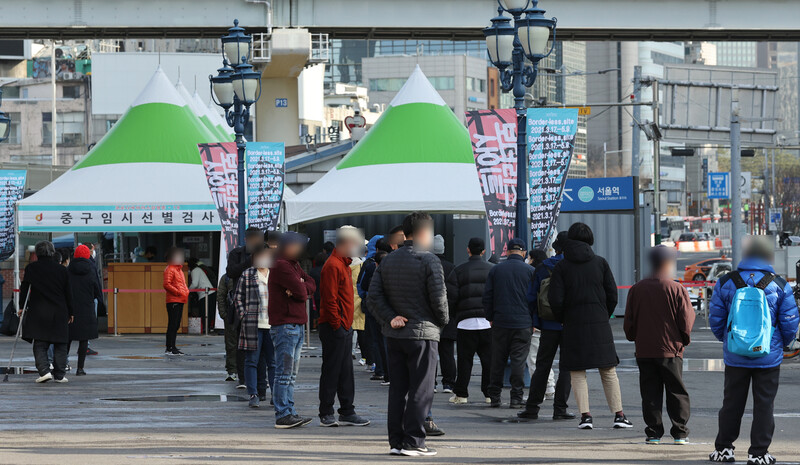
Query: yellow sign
point(584, 111)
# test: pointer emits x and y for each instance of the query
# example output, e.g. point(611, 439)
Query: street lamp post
point(509, 46)
point(235, 88)
point(5, 121)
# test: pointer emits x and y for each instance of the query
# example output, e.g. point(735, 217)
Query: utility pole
point(772, 191)
point(736, 180)
point(53, 118)
point(656, 169)
point(637, 116)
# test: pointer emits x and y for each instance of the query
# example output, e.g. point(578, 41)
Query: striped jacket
point(246, 301)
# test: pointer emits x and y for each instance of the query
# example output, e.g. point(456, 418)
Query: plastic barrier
point(696, 246)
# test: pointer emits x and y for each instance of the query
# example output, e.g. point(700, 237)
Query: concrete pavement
point(136, 406)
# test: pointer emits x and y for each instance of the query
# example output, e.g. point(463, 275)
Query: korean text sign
point(220, 164)
point(493, 134)
point(12, 185)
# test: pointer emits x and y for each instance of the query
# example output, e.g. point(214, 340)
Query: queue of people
point(421, 312)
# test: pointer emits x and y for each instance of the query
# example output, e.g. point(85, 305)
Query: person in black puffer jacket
point(465, 286)
point(505, 300)
point(407, 296)
point(583, 296)
point(85, 291)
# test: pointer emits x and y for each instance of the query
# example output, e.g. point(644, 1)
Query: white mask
point(94, 253)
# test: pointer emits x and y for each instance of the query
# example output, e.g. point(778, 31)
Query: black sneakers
point(724, 455)
point(765, 459)
point(528, 415)
point(563, 415)
point(328, 420)
point(620, 421)
point(586, 422)
point(175, 351)
point(352, 420)
point(411, 451)
point(291, 421)
point(431, 429)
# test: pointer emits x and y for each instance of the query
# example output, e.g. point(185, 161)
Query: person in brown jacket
point(659, 318)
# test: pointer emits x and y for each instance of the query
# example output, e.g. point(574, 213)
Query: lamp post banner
point(493, 134)
point(265, 181)
point(219, 163)
point(12, 185)
point(550, 143)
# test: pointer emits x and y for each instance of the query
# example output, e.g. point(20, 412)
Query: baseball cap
point(516, 244)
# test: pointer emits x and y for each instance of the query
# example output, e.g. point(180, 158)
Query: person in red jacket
point(336, 331)
point(289, 288)
point(177, 295)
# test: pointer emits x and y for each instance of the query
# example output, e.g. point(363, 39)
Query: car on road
point(694, 237)
point(719, 270)
point(700, 271)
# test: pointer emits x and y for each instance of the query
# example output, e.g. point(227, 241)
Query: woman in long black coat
point(85, 290)
point(583, 296)
point(49, 312)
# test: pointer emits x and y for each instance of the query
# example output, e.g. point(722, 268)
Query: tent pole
point(17, 282)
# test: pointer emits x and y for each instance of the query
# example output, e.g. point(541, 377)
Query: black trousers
point(506, 343)
point(365, 345)
point(447, 359)
point(212, 310)
point(83, 346)
point(174, 315)
point(657, 376)
point(336, 378)
point(60, 351)
point(765, 387)
point(469, 343)
point(413, 366)
point(378, 346)
point(549, 343)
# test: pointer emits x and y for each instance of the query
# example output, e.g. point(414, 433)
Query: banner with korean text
point(550, 143)
point(12, 186)
point(219, 162)
point(265, 181)
point(493, 134)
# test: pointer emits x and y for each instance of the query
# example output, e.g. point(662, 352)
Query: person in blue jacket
point(740, 371)
point(549, 342)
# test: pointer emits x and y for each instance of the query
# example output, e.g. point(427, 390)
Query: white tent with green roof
point(199, 111)
point(206, 114)
point(417, 156)
point(145, 175)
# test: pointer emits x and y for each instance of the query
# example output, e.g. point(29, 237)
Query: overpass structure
point(393, 19)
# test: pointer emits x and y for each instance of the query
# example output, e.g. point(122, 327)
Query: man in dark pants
point(447, 340)
point(240, 259)
point(659, 317)
point(505, 301)
point(234, 358)
point(465, 286)
point(336, 331)
point(408, 297)
point(740, 371)
point(549, 342)
point(375, 339)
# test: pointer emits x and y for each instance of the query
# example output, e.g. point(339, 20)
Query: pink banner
point(494, 143)
point(219, 162)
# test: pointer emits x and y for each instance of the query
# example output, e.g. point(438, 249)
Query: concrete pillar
point(277, 113)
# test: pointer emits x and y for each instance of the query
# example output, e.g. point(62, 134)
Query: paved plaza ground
point(136, 406)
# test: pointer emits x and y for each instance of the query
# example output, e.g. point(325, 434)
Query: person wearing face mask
point(251, 303)
point(177, 296)
point(659, 318)
point(241, 258)
point(408, 297)
point(336, 331)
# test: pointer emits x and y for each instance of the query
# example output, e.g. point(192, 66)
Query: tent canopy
point(417, 156)
point(145, 175)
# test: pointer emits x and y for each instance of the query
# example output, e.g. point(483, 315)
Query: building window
point(386, 84)
point(72, 91)
point(15, 130)
point(443, 82)
point(475, 84)
point(69, 128)
point(10, 92)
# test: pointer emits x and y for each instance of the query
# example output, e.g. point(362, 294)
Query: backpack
point(750, 325)
point(542, 302)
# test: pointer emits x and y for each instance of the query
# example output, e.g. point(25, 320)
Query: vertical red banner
point(493, 134)
point(219, 163)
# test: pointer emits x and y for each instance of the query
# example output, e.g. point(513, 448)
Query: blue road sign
point(719, 186)
point(597, 194)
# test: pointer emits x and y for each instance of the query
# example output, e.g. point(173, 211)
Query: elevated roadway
point(393, 19)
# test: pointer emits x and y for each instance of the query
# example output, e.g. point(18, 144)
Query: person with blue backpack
point(754, 313)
